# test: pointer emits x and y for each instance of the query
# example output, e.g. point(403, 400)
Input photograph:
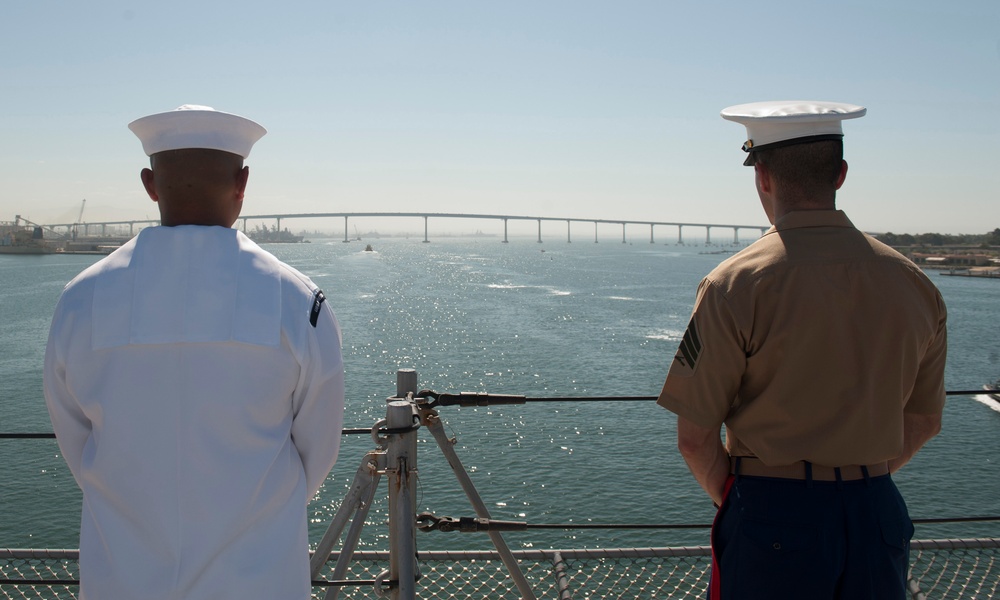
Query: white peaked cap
point(193, 126)
point(787, 122)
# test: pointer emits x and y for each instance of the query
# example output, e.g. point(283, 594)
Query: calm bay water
point(551, 319)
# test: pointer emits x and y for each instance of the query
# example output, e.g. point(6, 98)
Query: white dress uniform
point(195, 384)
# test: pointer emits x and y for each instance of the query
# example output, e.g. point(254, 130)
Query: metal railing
point(958, 568)
point(940, 569)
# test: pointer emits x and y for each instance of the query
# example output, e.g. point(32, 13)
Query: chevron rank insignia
point(686, 359)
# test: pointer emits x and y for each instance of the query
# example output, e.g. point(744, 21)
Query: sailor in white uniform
point(196, 387)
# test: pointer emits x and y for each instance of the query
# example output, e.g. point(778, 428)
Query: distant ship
point(23, 239)
point(273, 236)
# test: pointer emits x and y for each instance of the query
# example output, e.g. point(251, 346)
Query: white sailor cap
point(787, 122)
point(194, 126)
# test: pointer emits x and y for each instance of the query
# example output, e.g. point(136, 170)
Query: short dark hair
point(202, 153)
point(804, 170)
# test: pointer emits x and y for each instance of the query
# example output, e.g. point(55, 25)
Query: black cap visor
point(752, 150)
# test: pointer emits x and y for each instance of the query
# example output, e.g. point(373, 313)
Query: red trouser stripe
point(715, 586)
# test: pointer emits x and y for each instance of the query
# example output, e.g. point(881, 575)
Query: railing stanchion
point(401, 461)
point(562, 581)
point(358, 501)
point(431, 420)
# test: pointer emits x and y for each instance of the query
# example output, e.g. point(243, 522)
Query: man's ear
point(148, 182)
point(843, 174)
point(241, 181)
point(763, 177)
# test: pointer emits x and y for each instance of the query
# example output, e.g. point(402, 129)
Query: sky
point(570, 109)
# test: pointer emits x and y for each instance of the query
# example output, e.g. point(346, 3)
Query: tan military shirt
point(810, 344)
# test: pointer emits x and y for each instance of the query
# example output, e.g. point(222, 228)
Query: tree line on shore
point(985, 240)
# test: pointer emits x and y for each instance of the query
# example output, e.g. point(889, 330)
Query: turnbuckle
point(465, 399)
point(431, 522)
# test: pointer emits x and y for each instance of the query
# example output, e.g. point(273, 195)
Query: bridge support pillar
point(595, 232)
point(568, 240)
point(680, 235)
point(736, 236)
point(346, 239)
point(539, 231)
point(623, 233)
point(426, 241)
point(651, 234)
point(708, 235)
point(505, 231)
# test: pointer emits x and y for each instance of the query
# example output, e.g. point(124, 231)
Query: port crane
point(79, 217)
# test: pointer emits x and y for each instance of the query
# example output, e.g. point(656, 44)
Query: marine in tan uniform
point(821, 351)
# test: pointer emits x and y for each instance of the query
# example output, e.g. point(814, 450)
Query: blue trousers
point(784, 538)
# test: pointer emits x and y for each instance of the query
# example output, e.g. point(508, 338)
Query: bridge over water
point(427, 216)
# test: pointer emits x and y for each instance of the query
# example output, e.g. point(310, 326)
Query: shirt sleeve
point(71, 426)
point(318, 403)
point(928, 396)
point(705, 374)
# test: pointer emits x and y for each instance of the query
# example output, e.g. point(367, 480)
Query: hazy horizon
point(580, 109)
point(554, 228)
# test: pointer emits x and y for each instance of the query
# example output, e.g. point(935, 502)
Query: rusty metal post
point(401, 464)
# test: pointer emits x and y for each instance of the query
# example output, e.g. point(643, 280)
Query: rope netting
point(955, 568)
point(940, 569)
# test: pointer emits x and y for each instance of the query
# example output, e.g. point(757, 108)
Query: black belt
point(752, 466)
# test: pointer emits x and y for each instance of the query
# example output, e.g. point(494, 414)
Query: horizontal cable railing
point(475, 399)
point(949, 568)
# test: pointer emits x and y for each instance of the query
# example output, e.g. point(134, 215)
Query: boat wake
point(990, 402)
